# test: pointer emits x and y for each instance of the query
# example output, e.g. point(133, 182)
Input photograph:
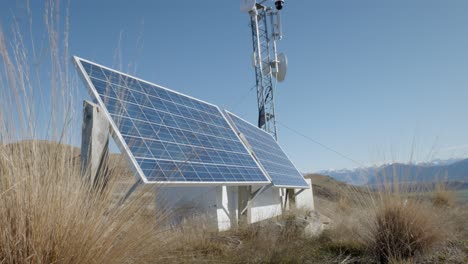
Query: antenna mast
point(265, 22)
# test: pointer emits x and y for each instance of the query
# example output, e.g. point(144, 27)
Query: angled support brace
point(291, 195)
point(299, 192)
point(254, 195)
point(130, 191)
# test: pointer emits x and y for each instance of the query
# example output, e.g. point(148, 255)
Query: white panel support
point(94, 144)
point(266, 205)
point(304, 198)
point(291, 197)
point(253, 196)
point(226, 207)
point(244, 193)
point(299, 198)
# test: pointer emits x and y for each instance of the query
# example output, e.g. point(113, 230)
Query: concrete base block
point(218, 206)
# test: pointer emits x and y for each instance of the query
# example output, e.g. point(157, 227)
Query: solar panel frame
point(123, 146)
point(228, 117)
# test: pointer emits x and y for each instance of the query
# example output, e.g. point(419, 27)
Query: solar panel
point(170, 137)
point(270, 155)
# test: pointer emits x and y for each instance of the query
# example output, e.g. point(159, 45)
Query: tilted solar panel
point(170, 137)
point(270, 155)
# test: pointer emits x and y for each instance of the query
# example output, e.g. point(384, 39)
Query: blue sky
point(371, 80)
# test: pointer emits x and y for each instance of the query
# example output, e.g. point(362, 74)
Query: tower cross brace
point(265, 63)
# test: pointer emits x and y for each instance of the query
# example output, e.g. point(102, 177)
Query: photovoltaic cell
point(270, 155)
point(170, 137)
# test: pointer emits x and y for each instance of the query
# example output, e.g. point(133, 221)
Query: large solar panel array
point(176, 139)
point(273, 159)
point(172, 138)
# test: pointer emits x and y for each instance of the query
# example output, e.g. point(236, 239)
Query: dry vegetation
point(48, 214)
point(370, 227)
point(443, 197)
point(393, 225)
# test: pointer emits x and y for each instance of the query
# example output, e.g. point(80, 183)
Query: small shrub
point(403, 229)
point(443, 197)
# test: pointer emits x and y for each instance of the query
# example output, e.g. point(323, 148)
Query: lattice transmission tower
point(265, 22)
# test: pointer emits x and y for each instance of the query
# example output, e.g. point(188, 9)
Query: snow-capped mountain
point(436, 170)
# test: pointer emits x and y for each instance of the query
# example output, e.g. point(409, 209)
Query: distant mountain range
point(437, 170)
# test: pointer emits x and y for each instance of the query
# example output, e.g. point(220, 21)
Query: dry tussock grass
point(393, 224)
point(442, 196)
point(48, 214)
point(384, 228)
point(266, 242)
point(404, 229)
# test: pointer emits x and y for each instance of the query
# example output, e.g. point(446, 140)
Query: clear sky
point(365, 78)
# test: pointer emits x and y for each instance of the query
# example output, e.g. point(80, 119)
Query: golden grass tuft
point(403, 229)
point(391, 223)
point(443, 197)
point(48, 214)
